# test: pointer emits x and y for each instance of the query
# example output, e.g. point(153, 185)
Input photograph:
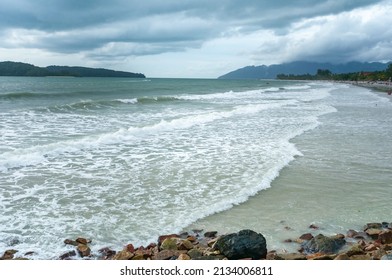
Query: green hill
point(10, 68)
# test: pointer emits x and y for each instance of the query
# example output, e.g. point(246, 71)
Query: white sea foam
point(128, 101)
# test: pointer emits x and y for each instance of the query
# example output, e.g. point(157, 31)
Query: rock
point(83, 250)
point(244, 244)
point(390, 225)
point(321, 257)
point(342, 257)
point(210, 234)
point(106, 253)
point(68, 255)
point(371, 247)
point(377, 254)
point(151, 245)
point(9, 254)
point(373, 232)
point(183, 257)
point(167, 255)
point(29, 253)
point(362, 243)
point(185, 244)
point(323, 244)
point(355, 250)
point(138, 257)
point(372, 225)
point(290, 256)
point(210, 258)
point(306, 236)
point(360, 235)
point(312, 226)
point(384, 224)
point(351, 233)
point(169, 244)
point(71, 242)
point(385, 237)
point(123, 255)
point(146, 253)
point(163, 237)
point(130, 248)
point(360, 257)
point(387, 257)
point(212, 242)
point(82, 240)
point(194, 253)
point(192, 238)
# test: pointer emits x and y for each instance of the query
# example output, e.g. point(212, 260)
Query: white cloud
point(361, 34)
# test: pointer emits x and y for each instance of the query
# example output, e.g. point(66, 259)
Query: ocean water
point(125, 160)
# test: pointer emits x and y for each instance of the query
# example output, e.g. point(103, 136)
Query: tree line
point(325, 74)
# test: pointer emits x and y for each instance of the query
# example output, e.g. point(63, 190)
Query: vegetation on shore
point(9, 68)
point(326, 74)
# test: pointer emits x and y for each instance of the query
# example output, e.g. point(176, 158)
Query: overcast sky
point(193, 38)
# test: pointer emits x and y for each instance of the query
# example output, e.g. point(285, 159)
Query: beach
point(273, 157)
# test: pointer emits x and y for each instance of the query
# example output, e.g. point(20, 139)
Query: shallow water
point(123, 161)
point(342, 181)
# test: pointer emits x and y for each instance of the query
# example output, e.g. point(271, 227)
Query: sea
point(121, 160)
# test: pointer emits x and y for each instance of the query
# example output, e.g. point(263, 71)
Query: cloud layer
point(220, 34)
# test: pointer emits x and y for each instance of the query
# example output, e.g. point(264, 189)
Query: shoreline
point(293, 238)
point(373, 242)
point(376, 86)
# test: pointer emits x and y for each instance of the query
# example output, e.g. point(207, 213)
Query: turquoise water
point(125, 160)
point(342, 181)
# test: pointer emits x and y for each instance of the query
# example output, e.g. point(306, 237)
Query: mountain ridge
point(11, 68)
point(301, 68)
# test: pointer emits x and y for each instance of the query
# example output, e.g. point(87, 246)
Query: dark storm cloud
point(195, 36)
point(75, 25)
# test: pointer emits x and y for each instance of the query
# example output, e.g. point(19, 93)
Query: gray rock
point(372, 225)
point(387, 257)
point(241, 245)
point(323, 244)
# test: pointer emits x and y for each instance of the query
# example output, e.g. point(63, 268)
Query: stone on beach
point(385, 237)
point(83, 250)
point(244, 244)
point(375, 244)
point(123, 255)
point(169, 244)
point(324, 244)
point(9, 254)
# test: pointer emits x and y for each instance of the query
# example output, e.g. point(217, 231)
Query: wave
point(22, 95)
point(41, 154)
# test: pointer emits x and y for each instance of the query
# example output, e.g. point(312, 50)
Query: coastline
point(376, 86)
point(286, 227)
point(373, 242)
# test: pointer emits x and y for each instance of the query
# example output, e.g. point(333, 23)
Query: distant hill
point(10, 68)
point(301, 68)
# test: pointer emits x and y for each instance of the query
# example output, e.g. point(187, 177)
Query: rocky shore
point(373, 242)
point(378, 86)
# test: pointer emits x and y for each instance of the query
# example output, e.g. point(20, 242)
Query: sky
point(193, 38)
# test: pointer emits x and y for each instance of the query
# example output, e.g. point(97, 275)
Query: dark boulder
point(68, 255)
point(210, 234)
point(241, 245)
point(324, 244)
